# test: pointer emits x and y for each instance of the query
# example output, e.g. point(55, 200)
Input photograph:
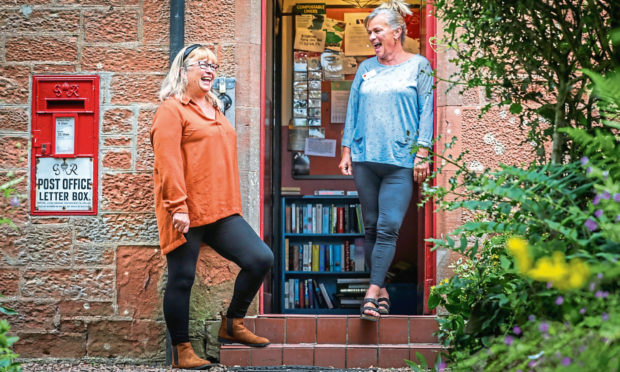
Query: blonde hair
point(395, 12)
point(175, 82)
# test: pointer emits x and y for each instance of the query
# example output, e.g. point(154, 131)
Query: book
point(286, 295)
point(322, 257)
point(360, 221)
point(296, 290)
point(340, 220)
point(290, 190)
point(291, 293)
point(328, 301)
point(328, 192)
point(315, 257)
point(336, 258)
point(287, 252)
point(347, 256)
point(293, 218)
point(352, 280)
point(317, 295)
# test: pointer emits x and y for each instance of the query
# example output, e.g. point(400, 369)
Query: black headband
point(189, 50)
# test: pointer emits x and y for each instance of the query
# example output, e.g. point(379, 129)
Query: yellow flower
point(550, 270)
point(561, 274)
point(579, 273)
point(518, 248)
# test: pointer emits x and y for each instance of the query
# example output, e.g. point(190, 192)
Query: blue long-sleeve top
point(390, 109)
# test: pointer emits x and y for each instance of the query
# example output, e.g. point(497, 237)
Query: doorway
point(287, 179)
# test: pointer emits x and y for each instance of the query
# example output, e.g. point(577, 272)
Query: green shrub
point(7, 356)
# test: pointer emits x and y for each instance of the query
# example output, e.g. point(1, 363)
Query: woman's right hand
point(180, 222)
point(345, 165)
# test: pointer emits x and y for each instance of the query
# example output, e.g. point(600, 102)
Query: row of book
point(312, 256)
point(319, 218)
point(314, 294)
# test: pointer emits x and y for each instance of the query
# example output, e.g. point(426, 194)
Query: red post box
point(65, 145)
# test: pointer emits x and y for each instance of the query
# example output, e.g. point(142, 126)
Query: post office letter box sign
point(65, 145)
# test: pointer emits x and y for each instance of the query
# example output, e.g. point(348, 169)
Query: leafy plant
point(7, 356)
point(528, 55)
point(533, 304)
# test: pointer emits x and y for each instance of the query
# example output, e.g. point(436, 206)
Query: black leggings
point(234, 239)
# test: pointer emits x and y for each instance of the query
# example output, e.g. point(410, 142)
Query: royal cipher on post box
point(65, 145)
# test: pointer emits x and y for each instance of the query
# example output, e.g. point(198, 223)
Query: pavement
point(63, 366)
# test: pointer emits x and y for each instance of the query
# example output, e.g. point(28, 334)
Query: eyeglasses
point(205, 65)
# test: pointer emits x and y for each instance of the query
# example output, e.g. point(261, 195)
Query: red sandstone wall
point(92, 286)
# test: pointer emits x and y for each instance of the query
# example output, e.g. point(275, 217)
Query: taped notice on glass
point(320, 147)
point(64, 184)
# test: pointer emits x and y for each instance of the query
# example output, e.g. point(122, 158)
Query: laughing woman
point(197, 200)
point(390, 111)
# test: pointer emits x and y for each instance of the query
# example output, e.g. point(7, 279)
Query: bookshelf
point(323, 254)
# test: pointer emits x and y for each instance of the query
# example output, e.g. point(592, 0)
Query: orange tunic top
point(195, 169)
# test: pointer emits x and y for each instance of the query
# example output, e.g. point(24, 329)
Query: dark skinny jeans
point(234, 239)
point(385, 192)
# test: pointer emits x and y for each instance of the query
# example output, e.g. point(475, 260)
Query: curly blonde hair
point(175, 82)
point(395, 12)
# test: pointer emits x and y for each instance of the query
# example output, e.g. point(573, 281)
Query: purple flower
point(606, 195)
point(582, 310)
point(617, 197)
point(531, 318)
point(584, 160)
point(566, 361)
point(605, 294)
point(543, 327)
point(14, 201)
point(517, 330)
point(604, 339)
point(592, 286)
point(605, 317)
point(509, 340)
point(599, 275)
point(532, 364)
point(598, 213)
point(589, 170)
point(582, 348)
point(598, 294)
point(549, 285)
point(591, 224)
point(596, 200)
point(441, 366)
point(559, 301)
point(618, 218)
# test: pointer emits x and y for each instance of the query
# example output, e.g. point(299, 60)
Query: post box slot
point(72, 104)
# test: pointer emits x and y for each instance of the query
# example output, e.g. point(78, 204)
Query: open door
point(276, 158)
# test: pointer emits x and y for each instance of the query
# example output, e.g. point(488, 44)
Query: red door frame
point(430, 218)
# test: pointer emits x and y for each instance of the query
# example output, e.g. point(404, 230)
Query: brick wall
point(490, 140)
point(92, 286)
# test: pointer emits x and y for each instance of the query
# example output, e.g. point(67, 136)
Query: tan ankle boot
point(183, 356)
point(232, 330)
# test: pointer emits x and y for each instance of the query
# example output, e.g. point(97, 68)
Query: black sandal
point(363, 315)
point(384, 308)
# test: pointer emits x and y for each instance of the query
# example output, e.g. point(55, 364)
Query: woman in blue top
point(390, 111)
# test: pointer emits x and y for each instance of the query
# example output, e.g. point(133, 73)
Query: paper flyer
point(339, 100)
point(356, 41)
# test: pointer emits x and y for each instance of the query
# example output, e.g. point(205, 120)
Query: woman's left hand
point(422, 167)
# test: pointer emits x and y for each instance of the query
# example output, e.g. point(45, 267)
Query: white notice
point(64, 184)
point(320, 147)
point(65, 135)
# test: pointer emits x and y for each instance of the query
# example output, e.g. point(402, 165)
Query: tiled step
point(344, 329)
point(340, 341)
point(327, 355)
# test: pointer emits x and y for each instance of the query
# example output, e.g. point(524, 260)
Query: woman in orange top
point(197, 200)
